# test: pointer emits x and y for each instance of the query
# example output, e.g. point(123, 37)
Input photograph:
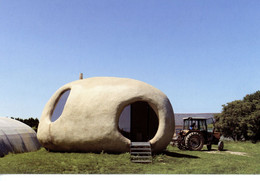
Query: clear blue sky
point(200, 53)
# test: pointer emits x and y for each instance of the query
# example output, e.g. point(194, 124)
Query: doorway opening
point(138, 122)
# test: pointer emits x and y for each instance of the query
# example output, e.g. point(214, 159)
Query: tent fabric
point(16, 137)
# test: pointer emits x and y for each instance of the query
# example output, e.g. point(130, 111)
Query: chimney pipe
point(81, 76)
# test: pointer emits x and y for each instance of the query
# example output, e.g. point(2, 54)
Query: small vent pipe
point(81, 76)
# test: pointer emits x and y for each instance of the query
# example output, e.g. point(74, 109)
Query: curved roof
point(16, 137)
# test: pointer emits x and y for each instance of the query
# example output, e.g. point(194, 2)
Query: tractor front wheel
point(194, 141)
point(220, 145)
point(180, 143)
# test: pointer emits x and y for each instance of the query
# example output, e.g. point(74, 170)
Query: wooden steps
point(141, 152)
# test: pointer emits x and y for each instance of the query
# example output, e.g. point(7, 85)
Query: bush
point(240, 119)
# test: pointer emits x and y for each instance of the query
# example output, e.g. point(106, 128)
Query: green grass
point(172, 161)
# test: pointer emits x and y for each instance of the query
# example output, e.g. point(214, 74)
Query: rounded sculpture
point(106, 114)
point(16, 137)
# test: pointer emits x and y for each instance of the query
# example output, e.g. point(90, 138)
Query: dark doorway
point(139, 122)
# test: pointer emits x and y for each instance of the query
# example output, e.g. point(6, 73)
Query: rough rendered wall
point(89, 121)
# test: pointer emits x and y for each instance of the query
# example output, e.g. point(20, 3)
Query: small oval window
point(59, 106)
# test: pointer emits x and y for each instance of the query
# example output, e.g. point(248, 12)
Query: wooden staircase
point(141, 152)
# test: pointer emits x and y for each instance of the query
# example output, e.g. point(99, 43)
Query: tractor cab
point(199, 124)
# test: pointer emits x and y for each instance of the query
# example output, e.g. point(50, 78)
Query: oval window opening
point(138, 122)
point(59, 106)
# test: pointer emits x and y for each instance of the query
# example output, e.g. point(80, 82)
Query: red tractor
point(195, 134)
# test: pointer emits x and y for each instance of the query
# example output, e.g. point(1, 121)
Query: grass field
point(237, 158)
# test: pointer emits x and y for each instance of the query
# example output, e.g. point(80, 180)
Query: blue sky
point(201, 54)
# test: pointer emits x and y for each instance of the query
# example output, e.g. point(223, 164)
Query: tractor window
point(194, 125)
point(190, 124)
point(203, 126)
point(186, 124)
point(210, 123)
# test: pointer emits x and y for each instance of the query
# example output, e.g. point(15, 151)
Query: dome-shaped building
point(16, 137)
point(106, 113)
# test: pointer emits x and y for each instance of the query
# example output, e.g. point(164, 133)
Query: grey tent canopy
point(16, 137)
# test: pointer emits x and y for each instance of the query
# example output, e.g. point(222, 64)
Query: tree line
point(240, 119)
point(32, 122)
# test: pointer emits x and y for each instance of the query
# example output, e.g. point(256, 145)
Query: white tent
point(16, 137)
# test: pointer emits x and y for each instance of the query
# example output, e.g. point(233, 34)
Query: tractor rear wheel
point(194, 141)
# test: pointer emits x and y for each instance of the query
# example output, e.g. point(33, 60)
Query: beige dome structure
point(16, 137)
point(106, 113)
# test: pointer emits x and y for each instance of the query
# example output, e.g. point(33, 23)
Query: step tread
point(140, 157)
point(141, 161)
point(140, 144)
point(141, 147)
point(144, 149)
point(141, 153)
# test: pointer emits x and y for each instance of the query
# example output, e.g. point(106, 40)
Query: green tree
point(240, 119)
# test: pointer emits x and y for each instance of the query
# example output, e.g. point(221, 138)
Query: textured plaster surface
point(89, 121)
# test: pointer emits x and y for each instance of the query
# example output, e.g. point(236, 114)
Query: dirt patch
point(231, 152)
point(237, 153)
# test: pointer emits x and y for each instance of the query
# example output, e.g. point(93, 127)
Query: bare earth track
point(231, 152)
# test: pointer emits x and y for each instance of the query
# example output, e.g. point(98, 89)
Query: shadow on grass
point(84, 152)
point(178, 155)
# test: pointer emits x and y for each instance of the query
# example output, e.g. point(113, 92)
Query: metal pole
point(81, 76)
